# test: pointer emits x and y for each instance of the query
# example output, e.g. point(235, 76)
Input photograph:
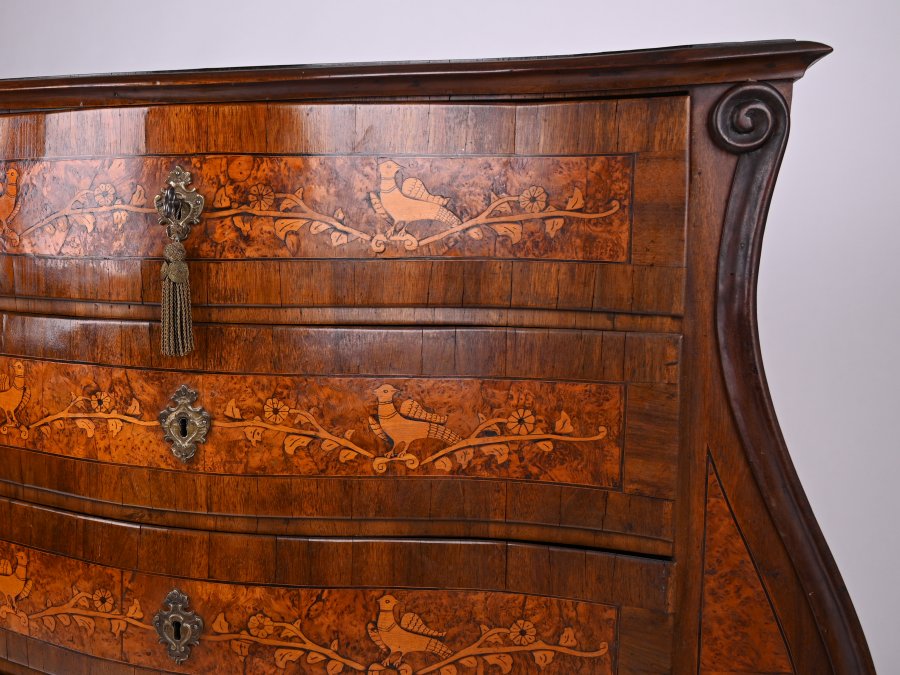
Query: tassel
point(177, 337)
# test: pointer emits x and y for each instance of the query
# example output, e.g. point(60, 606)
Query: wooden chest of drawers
point(477, 346)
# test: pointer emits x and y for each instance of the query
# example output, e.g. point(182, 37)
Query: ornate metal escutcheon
point(184, 425)
point(178, 627)
point(178, 206)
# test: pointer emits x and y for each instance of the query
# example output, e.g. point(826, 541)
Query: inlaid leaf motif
point(314, 657)
point(544, 446)
point(328, 445)
point(117, 626)
point(220, 625)
point(241, 648)
point(284, 226)
point(285, 656)
point(45, 430)
point(114, 425)
point(567, 639)
point(563, 424)
point(86, 220)
point(543, 657)
point(346, 455)
point(553, 225)
point(49, 622)
point(498, 450)
point(242, 224)
point(253, 434)
point(334, 667)
point(576, 201)
point(512, 231)
point(464, 456)
point(339, 238)
point(318, 227)
point(139, 198)
point(503, 661)
point(87, 425)
point(232, 411)
point(64, 619)
point(135, 611)
point(291, 443)
point(134, 408)
point(443, 464)
point(449, 669)
point(475, 233)
point(85, 622)
point(469, 662)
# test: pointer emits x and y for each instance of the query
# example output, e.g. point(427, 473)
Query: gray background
point(828, 307)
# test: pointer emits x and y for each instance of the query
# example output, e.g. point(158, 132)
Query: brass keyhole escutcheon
point(177, 626)
point(183, 424)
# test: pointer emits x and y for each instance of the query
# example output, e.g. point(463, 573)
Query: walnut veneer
point(478, 344)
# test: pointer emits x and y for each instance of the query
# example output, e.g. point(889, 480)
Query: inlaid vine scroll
point(329, 206)
point(107, 613)
point(553, 431)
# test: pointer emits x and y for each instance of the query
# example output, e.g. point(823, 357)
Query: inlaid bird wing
point(376, 637)
point(414, 624)
point(415, 189)
point(377, 430)
point(412, 410)
point(378, 206)
point(26, 589)
point(5, 568)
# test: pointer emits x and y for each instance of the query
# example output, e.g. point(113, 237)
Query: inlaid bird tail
point(439, 648)
point(443, 433)
point(446, 216)
point(414, 624)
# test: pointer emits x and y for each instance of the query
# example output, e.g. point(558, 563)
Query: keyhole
point(183, 427)
point(176, 625)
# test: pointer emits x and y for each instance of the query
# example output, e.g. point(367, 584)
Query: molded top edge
point(648, 70)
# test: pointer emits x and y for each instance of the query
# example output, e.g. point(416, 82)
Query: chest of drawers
point(475, 345)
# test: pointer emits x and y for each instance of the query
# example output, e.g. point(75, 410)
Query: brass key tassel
point(178, 208)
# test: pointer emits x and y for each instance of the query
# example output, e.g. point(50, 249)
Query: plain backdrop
point(828, 308)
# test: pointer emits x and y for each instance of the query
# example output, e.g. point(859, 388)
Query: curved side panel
point(752, 120)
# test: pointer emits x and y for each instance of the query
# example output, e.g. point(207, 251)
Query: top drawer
point(594, 181)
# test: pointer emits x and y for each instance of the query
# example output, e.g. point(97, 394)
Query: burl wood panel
point(560, 432)
point(739, 632)
point(328, 206)
point(107, 612)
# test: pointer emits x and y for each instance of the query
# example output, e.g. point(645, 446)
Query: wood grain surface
point(470, 335)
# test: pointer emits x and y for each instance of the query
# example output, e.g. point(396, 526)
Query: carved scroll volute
point(752, 120)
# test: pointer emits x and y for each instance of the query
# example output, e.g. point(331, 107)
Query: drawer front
point(331, 605)
point(588, 453)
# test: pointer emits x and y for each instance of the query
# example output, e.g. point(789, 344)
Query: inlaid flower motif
point(534, 199)
point(275, 411)
point(522, 632)
point(103, 600)
point(261, 197)
point(520, 422)
point(260, 626)
point(101, 402)
point(105, 194)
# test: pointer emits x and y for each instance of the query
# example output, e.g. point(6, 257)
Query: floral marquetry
point(357, 206)
point(101, 611)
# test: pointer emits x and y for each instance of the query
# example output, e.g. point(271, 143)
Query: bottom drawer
point(374, 606)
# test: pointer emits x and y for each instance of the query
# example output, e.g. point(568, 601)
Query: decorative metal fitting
point(178, 206)
point(184, 425)
point(178, 628)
